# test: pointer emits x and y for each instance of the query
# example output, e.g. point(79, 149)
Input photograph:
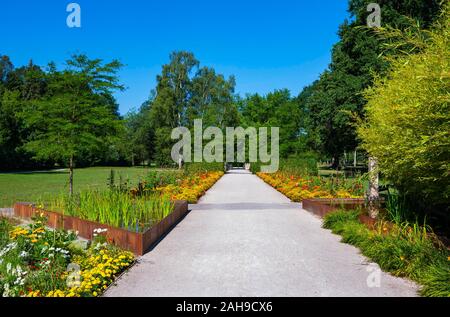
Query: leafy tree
point(18, 87)
point(408, 127)
point(76, 116)
point(212, 99)
point(138, 137)
point(276, 109)
point(356, 58)
point(184, 93)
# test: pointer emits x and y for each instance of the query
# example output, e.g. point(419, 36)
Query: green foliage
point(404, 250)
point(155, 179)
point(408, 127)
point(300, 165)
point(5, 227)
point(18, 87)
point(184, 93)
point(437, 279)
point(396, 208)
point(33, 186)
point(276, 109)
point(77, 115)
point(114, 208)
point(196, 168)
point(34, 258)
point(35, 262)
point(74, 115)
point(332, 103)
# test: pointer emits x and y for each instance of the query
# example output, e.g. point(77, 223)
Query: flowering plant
point(36, 261)
point(299, 188)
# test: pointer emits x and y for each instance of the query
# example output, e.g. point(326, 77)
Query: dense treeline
point(184, 92)
point(50, 116)
point(321, 119)
point(333, 101)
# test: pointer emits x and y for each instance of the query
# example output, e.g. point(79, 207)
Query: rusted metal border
point(138, 243)
point(323, 206)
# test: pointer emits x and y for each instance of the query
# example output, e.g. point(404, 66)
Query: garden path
point(246, 239)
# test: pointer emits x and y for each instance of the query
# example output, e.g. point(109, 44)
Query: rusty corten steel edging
point(151, 236)
point(135, 242)
point(323, 206)
point(369, 222)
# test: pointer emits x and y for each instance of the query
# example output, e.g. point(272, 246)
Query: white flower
point(100, 230)
point(6, 290)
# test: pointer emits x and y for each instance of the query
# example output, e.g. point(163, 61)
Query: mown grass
point(403, 250)
point(30, 187)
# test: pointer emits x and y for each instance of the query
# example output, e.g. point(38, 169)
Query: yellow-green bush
point(408, 126)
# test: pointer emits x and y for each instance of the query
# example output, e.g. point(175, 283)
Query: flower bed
point(136, 242)
point(192, 187)
point(299, 188)
point(37, 262)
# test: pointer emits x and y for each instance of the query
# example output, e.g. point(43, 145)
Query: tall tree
point(75, 116)
point(184, 93)
point(356, 58)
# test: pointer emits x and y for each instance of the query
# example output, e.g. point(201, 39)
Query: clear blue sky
point(266, 44)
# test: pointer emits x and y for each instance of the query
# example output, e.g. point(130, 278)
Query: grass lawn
point(28, 187)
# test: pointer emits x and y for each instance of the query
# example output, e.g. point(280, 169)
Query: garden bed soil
point(138, 243)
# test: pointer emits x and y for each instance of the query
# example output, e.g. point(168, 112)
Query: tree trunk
point(335, 164)
point(373, 195)
point(355, 159)
point(71, 176)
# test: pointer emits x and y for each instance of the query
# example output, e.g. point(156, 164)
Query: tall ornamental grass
point(114, 208)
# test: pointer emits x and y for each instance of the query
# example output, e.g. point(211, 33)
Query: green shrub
point(300, 165)
point(404, 250)
point(407, 113)
point(156, 179)
point(437, 280)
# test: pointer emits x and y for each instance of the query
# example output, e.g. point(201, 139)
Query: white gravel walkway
point(246, 239)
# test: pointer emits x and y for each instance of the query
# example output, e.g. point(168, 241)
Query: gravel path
point(246, 239)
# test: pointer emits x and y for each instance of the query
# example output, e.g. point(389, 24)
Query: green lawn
point(29, 187)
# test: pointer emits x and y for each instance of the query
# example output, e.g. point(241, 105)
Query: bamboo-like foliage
point(408, 118)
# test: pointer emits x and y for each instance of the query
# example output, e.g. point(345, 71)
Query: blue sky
point(266, 44)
